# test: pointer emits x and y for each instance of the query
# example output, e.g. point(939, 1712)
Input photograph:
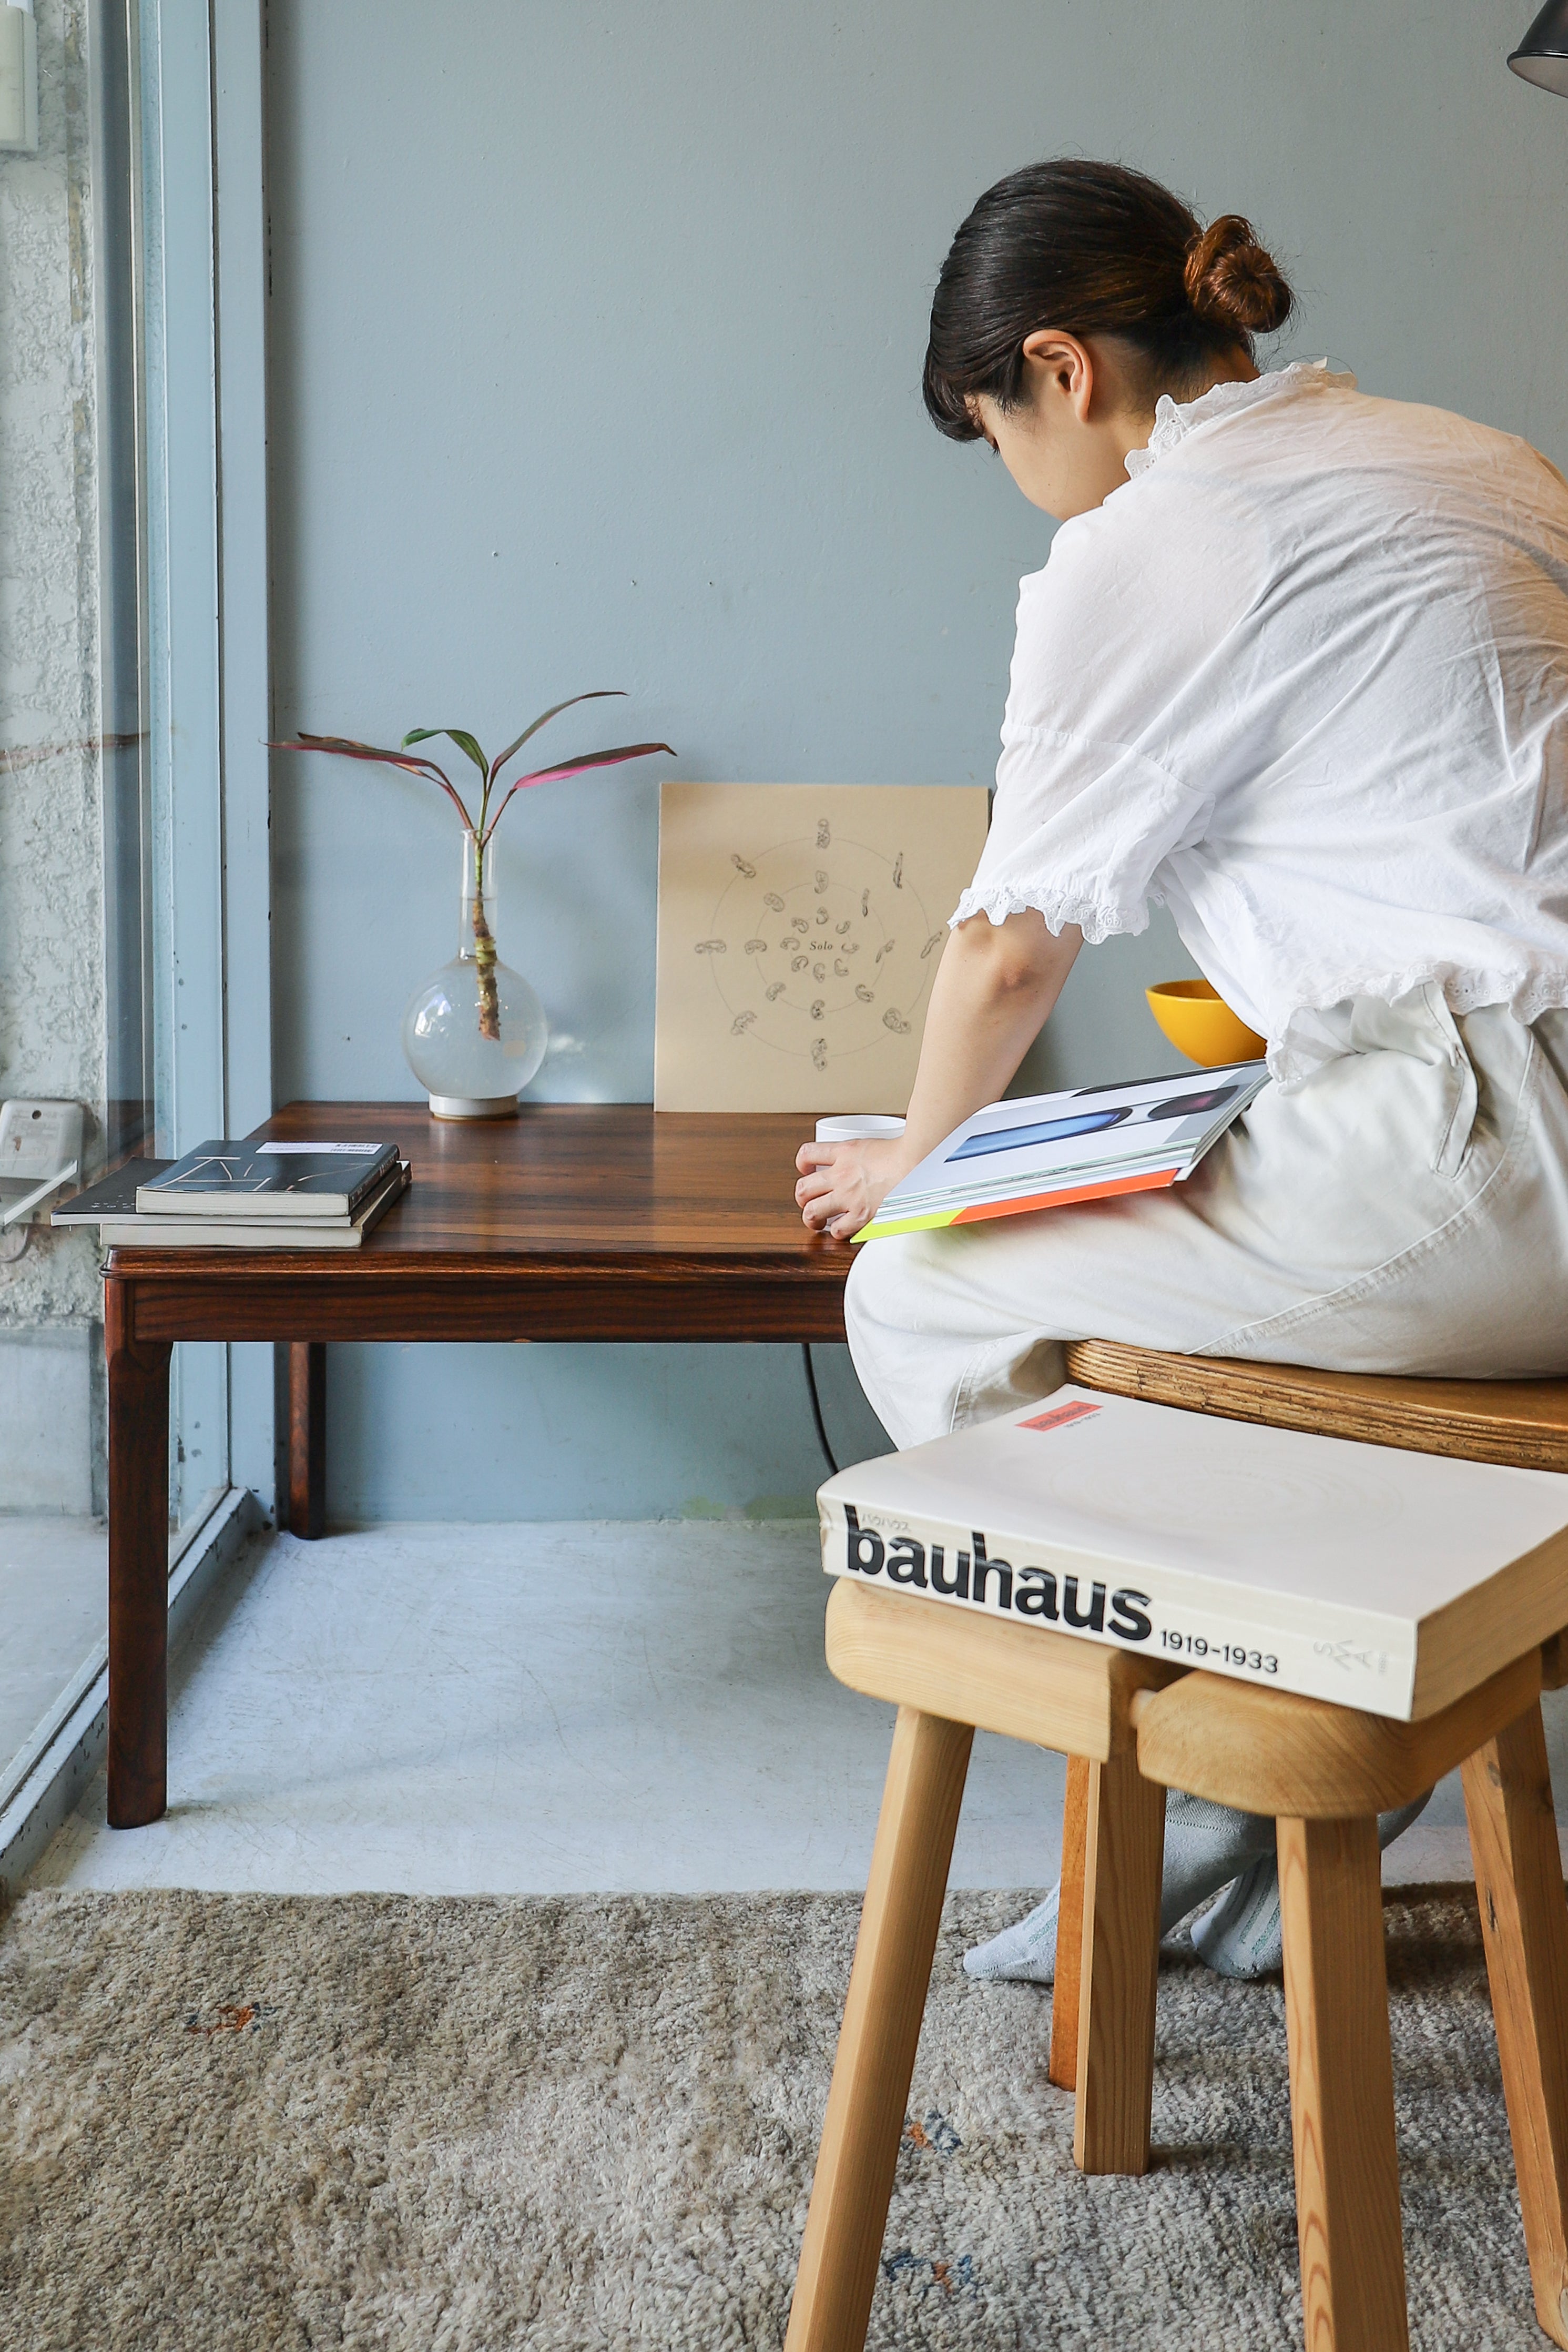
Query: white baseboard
point(69, 1747)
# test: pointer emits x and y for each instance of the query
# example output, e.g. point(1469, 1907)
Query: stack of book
point(1045, 1151)
point(251, 1196)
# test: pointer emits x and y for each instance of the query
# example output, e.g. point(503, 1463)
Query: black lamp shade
point(1542, 55)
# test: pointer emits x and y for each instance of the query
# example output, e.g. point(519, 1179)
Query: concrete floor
point(54, 1609)
point(554, 1708)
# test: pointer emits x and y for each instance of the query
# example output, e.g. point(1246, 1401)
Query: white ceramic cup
point(858, 1126)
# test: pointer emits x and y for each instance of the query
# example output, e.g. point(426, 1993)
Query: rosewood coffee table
point(573, 1221)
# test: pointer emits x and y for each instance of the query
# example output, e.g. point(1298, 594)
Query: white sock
point(1206, 1846)
point(1024, 1953)
point(1242, 1935)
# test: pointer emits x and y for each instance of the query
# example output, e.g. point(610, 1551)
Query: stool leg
point(1064, 2066)
point(877, 2039)
point(1342, 2087)
point(1124, 1859)
point(1524, 1924)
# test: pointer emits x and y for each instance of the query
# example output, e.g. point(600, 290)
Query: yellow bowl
point(1200, 1025)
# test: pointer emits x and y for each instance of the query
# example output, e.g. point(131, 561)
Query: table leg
point(138, 1565)
point(306, 1438)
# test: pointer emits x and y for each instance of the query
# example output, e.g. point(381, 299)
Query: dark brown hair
point(1092, 250)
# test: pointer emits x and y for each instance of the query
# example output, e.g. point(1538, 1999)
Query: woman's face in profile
point(1066, 442)
point(1036, 466)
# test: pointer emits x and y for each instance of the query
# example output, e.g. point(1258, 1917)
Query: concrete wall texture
point(596, 334)
point(51, 876)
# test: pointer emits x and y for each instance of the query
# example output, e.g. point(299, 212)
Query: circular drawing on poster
point(820, 946)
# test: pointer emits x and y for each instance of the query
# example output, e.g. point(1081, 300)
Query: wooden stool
point(1132, 1726)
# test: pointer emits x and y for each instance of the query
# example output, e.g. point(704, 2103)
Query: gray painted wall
point(596, 337)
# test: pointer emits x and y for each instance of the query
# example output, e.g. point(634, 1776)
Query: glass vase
point(475, 1033)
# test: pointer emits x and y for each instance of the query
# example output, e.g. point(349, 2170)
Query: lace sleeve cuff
point(1095, 919)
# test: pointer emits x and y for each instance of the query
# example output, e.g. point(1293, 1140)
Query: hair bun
point(1231, 279)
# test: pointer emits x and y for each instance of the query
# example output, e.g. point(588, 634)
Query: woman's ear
point(1060, 369)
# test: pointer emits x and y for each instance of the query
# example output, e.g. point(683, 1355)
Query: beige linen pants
point(1403, 1210)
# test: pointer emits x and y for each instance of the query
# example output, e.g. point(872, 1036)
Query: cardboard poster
point(799, 928)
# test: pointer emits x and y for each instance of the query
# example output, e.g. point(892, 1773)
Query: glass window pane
point(75, 983)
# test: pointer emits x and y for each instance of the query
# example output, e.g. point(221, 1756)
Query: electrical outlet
point(40, 1150)
point(37, 1138)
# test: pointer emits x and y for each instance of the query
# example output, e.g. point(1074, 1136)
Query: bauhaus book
point(1386, 1580)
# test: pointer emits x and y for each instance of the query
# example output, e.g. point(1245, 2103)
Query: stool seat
point(1051, 1688)
point(1269, 1751)
point(1524, 1423)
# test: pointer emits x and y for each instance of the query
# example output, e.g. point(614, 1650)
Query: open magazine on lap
point(1087, 1144)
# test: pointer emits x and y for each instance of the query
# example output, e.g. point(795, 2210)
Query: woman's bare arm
point(993, 990)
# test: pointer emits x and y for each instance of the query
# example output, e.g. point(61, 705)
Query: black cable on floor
point(817, 1406)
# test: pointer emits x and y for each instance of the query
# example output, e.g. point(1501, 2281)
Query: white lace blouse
point(1305, 679)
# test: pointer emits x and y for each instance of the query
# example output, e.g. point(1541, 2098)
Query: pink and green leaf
point(577, 768)
point(596, 693)
point(343, 748)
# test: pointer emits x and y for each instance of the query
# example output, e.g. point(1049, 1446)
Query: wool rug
point(582, 2123)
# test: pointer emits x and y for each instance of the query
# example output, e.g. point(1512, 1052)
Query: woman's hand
point(994, 987)
point(842, 1185)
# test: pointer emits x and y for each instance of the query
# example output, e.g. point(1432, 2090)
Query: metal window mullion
point(183, 692)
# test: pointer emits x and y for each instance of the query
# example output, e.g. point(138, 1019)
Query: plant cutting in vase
point(476, 1032)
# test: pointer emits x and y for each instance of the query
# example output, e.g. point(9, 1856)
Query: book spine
point(265, 1207)
point(1354, 1658)
point(206, 1233)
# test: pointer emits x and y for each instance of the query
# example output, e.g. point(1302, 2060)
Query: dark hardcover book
point(256, 1232)
point(114, 1195)
point(270, 1180)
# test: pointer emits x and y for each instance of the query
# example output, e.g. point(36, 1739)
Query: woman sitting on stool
point(1298, 667)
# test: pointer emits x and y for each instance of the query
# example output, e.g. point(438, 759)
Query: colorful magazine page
point(1046, 1151)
